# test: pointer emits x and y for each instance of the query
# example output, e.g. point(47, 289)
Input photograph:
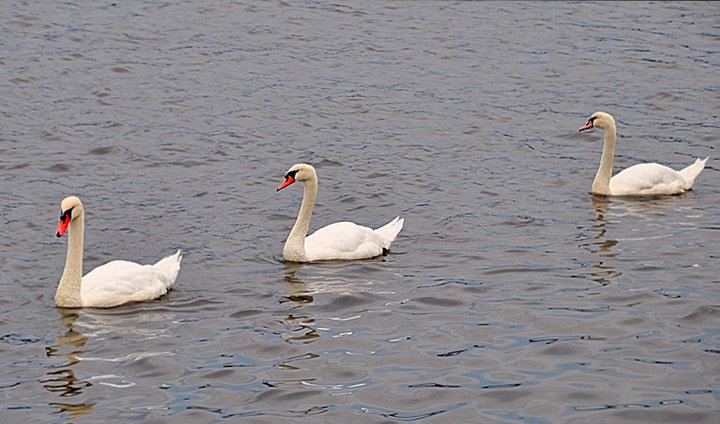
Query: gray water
point(511, 294)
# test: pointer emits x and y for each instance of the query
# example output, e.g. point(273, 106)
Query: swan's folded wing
point(343, 240)
point(647, 179)
point(119, 282)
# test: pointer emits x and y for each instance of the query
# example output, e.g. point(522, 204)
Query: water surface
point(511, 294)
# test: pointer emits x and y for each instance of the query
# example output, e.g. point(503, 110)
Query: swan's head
point(70, 209)
point(600, 120)
point(298, 172)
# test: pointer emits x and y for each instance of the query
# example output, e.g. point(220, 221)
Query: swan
point(341, 240)
point(112, 284)
point(641, 179)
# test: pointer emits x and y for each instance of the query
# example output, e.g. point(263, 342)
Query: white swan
point(112, 284)
point(641, 179)
point(341, 240)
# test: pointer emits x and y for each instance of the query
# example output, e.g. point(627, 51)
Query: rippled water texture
point(511, 294)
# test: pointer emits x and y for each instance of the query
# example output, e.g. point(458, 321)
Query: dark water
point(510, 295)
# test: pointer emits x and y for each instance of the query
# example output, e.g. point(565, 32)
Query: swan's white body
point(642, 179)
point(112, 284)
point(342, 240)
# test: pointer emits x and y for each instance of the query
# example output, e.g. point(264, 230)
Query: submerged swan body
point(641, 179)
point(342, 240)
point(112, 284)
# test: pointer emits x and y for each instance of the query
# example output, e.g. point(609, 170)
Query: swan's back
point(654, 179)
point(120, 282)
point(347, 240)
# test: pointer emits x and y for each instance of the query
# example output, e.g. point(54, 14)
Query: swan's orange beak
point(587, 126)
point(63, 225)
point(289, 179)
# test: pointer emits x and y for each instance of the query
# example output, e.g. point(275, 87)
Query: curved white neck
point(294, 249)
point(68, 291)
point(601, 184)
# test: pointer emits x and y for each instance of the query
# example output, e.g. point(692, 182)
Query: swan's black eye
point(592, 119)
point(291, 174)
point(66, 215)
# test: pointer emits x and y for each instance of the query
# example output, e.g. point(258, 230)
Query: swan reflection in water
point(601, 246)
point(328, 280)
point(297, 291)
point(649, 212)
point(298, 327)
point(61, 379)
point(141, 321)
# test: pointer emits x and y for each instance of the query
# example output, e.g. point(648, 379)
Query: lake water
point(511, 294)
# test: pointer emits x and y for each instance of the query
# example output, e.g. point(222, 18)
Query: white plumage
point(342, 240)
point(113, 283)
point(641, 179)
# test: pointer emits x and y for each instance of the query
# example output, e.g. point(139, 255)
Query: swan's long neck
point(68, 291)
point(294, 249)
point(601, 184)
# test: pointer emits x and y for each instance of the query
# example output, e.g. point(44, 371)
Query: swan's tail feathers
point(389, 231)
point(692, 171)
point(171, 265)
